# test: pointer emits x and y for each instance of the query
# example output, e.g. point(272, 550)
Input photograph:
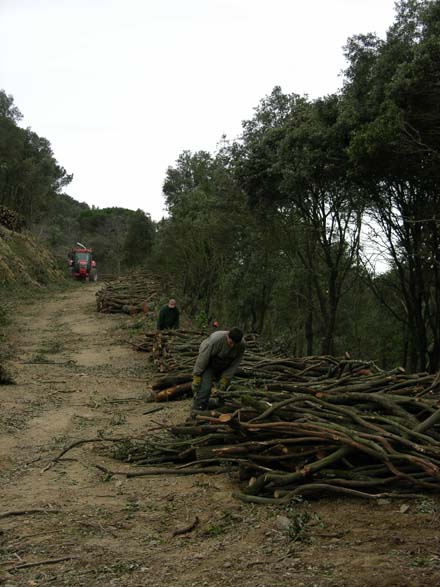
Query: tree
point(139, 239)
point(30, 177)
point(8, 109)
point(105, 230)
point(293, 161)
point(394, 87)
point(197, 244)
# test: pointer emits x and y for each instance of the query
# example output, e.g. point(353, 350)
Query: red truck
point(82, 264)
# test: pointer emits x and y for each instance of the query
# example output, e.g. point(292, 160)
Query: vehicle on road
point(82, 263)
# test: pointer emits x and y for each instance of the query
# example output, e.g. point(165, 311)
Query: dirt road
point(67, 523)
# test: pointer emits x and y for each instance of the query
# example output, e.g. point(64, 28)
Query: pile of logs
point(299, 426)
point(11, 219)
point(364, 435)
point(174, 353)
point(292, 427)
point(134, 293)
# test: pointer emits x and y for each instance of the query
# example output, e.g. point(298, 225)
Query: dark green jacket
point(169, 318)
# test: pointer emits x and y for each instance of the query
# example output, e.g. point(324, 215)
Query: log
point(170, 381)
point(175, 392)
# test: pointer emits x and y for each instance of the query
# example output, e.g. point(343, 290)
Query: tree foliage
point(394, 86)
point(273, 232)
point(139, 239)
point(32, 183)
point(30, 176)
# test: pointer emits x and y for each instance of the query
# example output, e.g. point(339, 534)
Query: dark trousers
point(201, 399)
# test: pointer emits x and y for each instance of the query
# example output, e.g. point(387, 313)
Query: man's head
point(172, 303)
point(234, 336)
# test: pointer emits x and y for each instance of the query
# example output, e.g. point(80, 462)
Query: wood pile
point(106, 277)
point(131, 294)
point(364, 435)
point(174, 353)
point(11, 219)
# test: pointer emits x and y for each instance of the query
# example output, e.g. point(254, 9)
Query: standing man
point(169, 316)
point(219, 358)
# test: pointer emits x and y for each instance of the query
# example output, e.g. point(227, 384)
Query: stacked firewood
point(164, 343)
point(364, 435)
point(174, 353)
point(11, 219)
point(173, 350)
point(292, 427)
point(131, 294)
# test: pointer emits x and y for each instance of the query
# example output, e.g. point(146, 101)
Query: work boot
point(215, 403)
point(194, 412)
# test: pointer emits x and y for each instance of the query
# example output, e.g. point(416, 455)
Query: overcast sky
point(121, 87)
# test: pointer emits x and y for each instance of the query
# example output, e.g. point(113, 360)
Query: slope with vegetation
point(24, 260)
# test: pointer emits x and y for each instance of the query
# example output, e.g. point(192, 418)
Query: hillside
point(24, 260)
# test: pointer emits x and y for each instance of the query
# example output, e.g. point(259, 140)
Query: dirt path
point(77, 379)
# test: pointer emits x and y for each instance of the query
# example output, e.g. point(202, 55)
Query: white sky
point(121, 87)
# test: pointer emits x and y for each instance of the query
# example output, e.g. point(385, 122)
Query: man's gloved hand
point(196, 383)
point(223, 384)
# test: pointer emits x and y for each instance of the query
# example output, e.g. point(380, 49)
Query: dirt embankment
point(25, 260)
point(70, 524)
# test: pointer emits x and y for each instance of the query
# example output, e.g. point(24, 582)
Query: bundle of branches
point(271, 369)
point(133, 293)
point(375, 442)
point(11, 219)
point(175, 352)
point(164, 343)
point(106, 277)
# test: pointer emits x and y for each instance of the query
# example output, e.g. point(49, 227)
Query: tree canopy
point(276, 231)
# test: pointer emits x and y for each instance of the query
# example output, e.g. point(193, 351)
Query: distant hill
point(32, 187)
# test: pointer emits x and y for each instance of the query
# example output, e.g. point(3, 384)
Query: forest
point(317, 228)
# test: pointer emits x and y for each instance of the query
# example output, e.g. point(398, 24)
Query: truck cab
point(82, 264)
